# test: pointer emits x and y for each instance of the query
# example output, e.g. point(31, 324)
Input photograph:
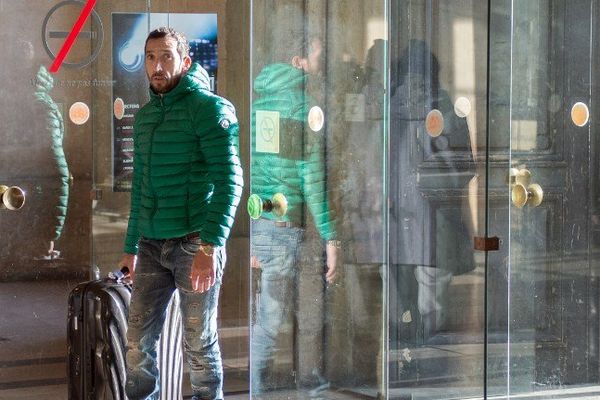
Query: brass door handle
point(531, 195)
point(278, 205)
point(13, 198)
point(522, 176)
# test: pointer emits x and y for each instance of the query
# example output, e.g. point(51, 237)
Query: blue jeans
point(164, 266)
point(279, 252)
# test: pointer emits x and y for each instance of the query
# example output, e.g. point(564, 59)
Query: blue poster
point(130, 90)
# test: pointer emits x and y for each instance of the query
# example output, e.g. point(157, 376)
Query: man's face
point(311, 64)
point(313, 60)
point(164, 65)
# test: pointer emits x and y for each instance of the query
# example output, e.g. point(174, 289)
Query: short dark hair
point(183, 47)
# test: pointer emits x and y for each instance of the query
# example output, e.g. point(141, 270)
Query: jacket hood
point(195, 79)
point(276, 78)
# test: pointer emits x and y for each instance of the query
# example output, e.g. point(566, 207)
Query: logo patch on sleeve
point(225, 123)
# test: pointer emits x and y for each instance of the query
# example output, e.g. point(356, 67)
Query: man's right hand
point(128, 261)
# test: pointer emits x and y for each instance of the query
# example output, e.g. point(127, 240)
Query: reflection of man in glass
point(297, 170)
point(427, 245)
point(34, 156)
point(58, 193)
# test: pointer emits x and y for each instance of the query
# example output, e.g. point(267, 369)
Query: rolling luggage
point(96, 339)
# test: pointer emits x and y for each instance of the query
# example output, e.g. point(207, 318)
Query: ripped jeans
point(164, 265)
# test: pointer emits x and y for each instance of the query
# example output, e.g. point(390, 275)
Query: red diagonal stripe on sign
point(85, 14)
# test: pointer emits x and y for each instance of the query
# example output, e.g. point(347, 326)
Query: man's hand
point(204, 271)
point(331, 251)
point(129, 261)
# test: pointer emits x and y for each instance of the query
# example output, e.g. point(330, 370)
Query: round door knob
point(532, 195)
point(519, 195)
point(521, 176)
point(255, 206)
point(278, 205)
point(13, 198)
point(535, 195)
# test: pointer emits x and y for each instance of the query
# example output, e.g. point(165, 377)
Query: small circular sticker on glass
point(119, 108)
point(79, 113)
point(316, 119)
point(580, 114)
point(434, 123)
point(462, 107)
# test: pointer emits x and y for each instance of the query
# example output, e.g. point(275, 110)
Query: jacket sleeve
point(315, 186)
point(133, 236)
point(49, 124)
point(55, 123)
point(219, 147)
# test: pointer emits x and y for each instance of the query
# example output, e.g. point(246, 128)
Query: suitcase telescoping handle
point(119, 274)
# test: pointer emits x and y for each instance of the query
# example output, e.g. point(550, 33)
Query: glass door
point(66, 128)
point(551, 211)
point(212, 31)
point(47, 116)
point(437, 145)
point(318, 228)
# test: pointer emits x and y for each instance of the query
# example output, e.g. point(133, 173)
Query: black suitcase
point(96, 339)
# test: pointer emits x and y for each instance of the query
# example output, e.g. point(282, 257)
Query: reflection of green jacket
point(54, 125)
point(187, 175)
point(297, 170)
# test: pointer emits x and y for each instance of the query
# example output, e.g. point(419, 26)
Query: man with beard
point(281, 254)
point(187, 183)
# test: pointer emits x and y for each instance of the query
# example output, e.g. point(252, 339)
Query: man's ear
point(298, 62)
point(187, 63)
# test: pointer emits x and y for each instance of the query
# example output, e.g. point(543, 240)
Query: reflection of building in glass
point(205, 53)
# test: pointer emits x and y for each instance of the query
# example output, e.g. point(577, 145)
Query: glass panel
point(552, 281)
point(437, 167)
point(317, 167)
point(48, 109)
point(67, 135)
point(498, 221)
point(211, 29)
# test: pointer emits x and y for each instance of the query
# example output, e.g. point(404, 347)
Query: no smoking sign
point(56, 36)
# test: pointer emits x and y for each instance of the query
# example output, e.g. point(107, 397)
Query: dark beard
point(172, 84)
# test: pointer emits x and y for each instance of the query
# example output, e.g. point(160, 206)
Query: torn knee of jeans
point(134, 319)
point(132, 344)
point(193, 309)
point(193, 320)
point(197, 365)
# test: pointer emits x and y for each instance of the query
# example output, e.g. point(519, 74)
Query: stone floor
point(33, 347)
point(33, 355)
point(33, 343)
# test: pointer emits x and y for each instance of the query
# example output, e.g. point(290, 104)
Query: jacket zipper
point(154, 207)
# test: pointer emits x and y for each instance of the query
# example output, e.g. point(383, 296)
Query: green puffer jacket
point(187, 175)
point(298, 169)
